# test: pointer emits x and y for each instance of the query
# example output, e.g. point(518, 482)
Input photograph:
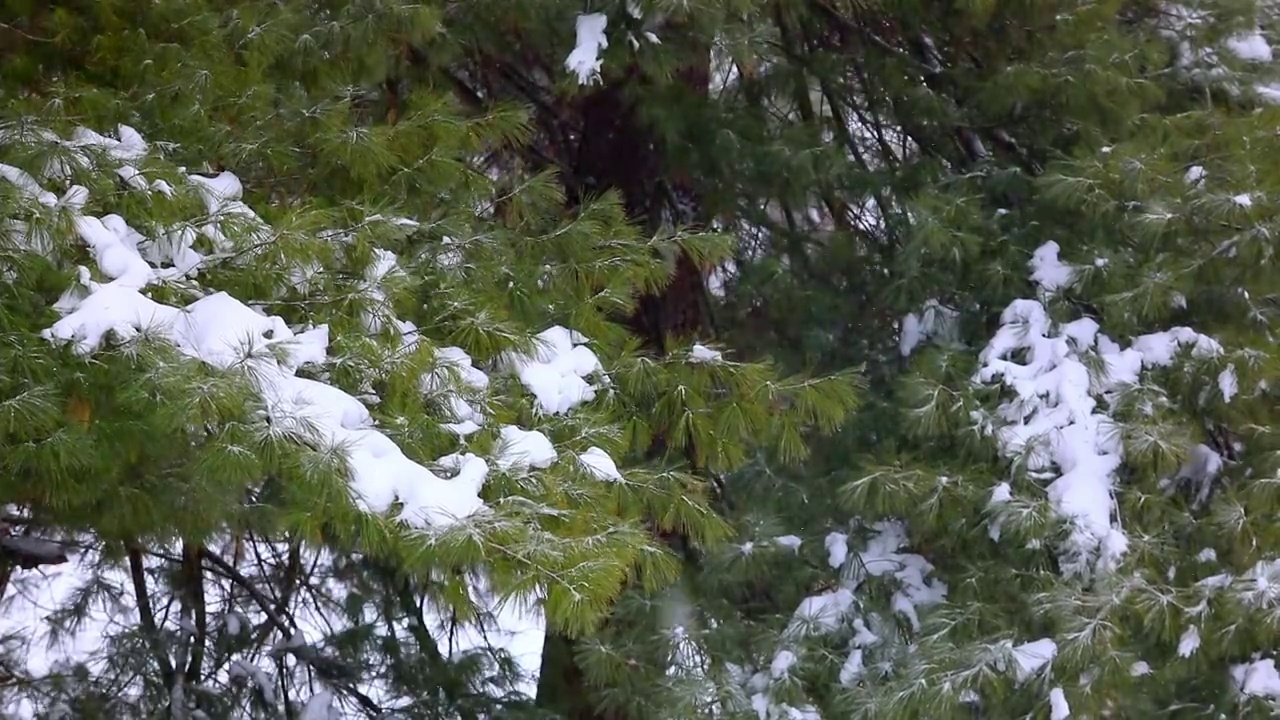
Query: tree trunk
point(618, 152)
point(598, 141)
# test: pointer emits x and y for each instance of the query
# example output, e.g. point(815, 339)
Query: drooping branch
point(31, 552)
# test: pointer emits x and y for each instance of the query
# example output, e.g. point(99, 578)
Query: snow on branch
point(1054, 419)
point(120, 295)
point(585, 60)
point(223, 331)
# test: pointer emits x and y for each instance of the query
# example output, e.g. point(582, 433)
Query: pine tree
point(984, 204)
point(630, 126)
point(307, 367)
point(973, 202)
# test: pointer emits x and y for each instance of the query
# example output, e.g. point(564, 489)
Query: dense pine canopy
point(638, 359)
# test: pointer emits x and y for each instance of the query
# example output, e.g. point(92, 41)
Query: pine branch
point(282, 676)
point(23, 33)
point(292, 572)
point(30, 552)
point(334, 672)
point(277, 619)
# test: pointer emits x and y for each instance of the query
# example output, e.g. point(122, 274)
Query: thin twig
point(26, 34)
point(326, 670)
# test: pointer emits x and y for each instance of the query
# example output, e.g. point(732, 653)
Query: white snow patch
point(1258, 678)
point(1048, 271)
point(836, 609)
point(1058, 707)
point(935, 321)
point(320, 707)
point(1228, 383)
point(585, 60)
point(557, 373)
point(599, 464)
point(1189, 642)
point(790, 542)
point(837, 549)
point(520, 449)
point(820, 613)
point(1250, 46)
point(881, 557)
point(782, 663)
point(703, 354)
point(1030, 657)
point(1000, 494)
point(1054, 422)
point(853, 667)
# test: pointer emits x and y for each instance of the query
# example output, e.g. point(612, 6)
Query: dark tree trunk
point(598, 141)
point(618, 151)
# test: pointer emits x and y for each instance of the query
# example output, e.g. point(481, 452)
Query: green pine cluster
point(823, 359)
point(207, 542)
point(935, 153)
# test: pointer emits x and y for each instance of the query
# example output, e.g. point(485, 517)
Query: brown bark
point(598, 140)
point(618, 151)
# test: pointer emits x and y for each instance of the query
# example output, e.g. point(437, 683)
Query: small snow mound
point(467, 419)
point(1250, 46)
point(790, 542)
point(320, 707)
point(704, 354)
point(782, 662)
point(837, 549)
point(935, 321)
point(1189, 642)
point(1030, 658)
point(584, 61)
point(1058, 707)
point(599, 464)
point(1049, 272)
point(1258, 678)
point(557, 373)
point(522, 449)
point(1228, 383)
point(821, 613)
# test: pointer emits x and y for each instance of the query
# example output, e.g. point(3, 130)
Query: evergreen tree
point(1055, 509)
point(291, 406)
point(1040, 229)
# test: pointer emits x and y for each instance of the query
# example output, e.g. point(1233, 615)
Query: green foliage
point(235, 539)
point(874, 157)
point(870, 169)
